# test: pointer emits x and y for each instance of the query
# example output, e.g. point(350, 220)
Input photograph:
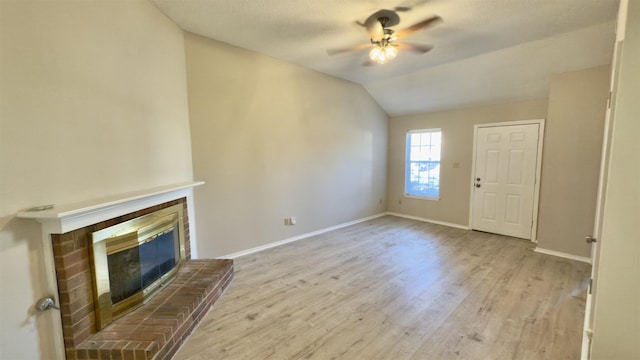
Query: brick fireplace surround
point(154, 331)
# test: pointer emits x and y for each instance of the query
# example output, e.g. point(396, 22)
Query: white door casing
point(600, 202)
point(506, 166)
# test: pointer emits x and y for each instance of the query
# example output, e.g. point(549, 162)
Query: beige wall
point(457, 147)
point(571, 156)
point(617, 299)
point(571, 159)
point(93, 102)
point(273, 140)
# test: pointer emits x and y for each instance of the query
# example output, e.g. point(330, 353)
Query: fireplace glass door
point(135, 269)
point(134, 259)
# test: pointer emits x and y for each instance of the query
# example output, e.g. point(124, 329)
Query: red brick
point(71, 354)
point(73, 269)
point(75, 281)
point(74, 256)
point(82, 354)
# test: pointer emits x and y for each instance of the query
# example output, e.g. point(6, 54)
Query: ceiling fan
point(383, 45)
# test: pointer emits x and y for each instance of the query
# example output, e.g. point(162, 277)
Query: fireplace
point(137, 232)
point(133, 260)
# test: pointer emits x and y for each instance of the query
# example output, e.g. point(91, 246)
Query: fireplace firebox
point(133, 260)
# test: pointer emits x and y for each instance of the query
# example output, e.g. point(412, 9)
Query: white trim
point(587, 332)
point(298, 237)
point(437, 222)
point(536, 187)
point(428, 198)
point(60, 219)
point(424, 130)
point(562, 255)
point(510, 123)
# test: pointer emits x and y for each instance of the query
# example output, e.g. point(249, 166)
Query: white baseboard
point(458, 226)
point(299, 237)
point(587, 332)
point(562, 255)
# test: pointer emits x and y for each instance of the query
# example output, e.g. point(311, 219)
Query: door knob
point(46, 303)
point(478, 179)
point(590, 239)
point(477, 185)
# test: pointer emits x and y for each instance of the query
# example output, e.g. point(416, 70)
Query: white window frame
point(407, 166)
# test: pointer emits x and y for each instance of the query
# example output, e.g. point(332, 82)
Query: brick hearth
point(156, 330)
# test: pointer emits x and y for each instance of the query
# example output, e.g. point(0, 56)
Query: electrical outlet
point(286, 221)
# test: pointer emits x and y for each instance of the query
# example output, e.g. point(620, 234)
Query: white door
point(602, 186)
point(504, 179)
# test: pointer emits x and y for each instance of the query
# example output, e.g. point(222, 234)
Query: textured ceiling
point(485, 51)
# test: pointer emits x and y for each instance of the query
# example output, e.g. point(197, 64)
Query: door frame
point(603, 178)
point(536, 186)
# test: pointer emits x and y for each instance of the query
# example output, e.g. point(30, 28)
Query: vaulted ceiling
point(485, 51)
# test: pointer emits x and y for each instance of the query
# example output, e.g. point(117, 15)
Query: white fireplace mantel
point(60, 219)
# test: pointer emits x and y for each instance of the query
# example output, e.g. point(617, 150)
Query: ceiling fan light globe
point(377, 54)
point(390, 52)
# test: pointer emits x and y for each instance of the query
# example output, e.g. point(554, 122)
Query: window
point(422, 168)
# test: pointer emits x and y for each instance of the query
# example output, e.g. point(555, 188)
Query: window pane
point(414, 153)
point(415, 139)
point(436, 138)
point(423, 163)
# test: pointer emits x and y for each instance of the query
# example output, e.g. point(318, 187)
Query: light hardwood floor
point(393, 288)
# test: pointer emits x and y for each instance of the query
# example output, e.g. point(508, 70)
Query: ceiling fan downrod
point(384, 20)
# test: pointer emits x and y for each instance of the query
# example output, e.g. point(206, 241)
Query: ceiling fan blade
point(433, 20)
point(408, 5)
point(402, 8)
point(332, 52)
point(416, 48)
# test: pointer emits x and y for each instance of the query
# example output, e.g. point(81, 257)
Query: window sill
point(429, 198)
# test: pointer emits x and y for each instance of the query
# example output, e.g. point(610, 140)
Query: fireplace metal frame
point(123, 236)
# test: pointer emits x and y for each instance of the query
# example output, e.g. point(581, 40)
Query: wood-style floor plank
point(393, 288)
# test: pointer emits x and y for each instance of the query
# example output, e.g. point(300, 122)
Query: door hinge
point(590, 285)
point(609, 101)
